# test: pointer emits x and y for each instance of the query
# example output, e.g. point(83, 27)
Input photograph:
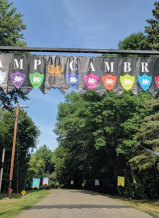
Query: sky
point(94, 24)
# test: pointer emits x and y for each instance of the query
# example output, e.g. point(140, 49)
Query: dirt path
point(63, 203)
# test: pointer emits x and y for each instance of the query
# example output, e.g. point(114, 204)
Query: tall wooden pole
point(13, 153)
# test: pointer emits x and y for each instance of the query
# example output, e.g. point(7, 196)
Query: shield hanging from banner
point(2, 76)
point(36, 79)
point(73, 80)
point(91, 80)
point(127, 81)
point(18, 79)
point(157, 81)
point(145, 81)
point(109, 81)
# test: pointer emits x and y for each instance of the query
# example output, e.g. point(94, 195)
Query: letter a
point(91, 67)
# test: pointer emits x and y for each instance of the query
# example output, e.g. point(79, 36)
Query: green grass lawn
point(149, 206)
point(12, 207)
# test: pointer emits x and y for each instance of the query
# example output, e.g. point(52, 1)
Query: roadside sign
point(23, 192)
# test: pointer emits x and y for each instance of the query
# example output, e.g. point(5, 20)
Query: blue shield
point(73, 80)
point(145, 81)
point(2, 77)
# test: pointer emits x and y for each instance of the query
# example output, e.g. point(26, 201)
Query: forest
point(99, 137)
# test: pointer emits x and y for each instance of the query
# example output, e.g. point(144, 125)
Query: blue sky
point(75, 24)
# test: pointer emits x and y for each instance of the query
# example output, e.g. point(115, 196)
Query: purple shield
point(18, 79)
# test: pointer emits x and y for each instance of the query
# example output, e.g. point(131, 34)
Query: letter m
point(109, 68)
point(18, 65)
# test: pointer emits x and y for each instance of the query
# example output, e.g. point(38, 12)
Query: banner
point(121, 181)
point(27, 71)
point(5, 60)
point(84, 181)
point(36, 183)
point(45, 181)
point(96, 181)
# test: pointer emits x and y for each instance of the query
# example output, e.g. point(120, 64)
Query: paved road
point(63, 203)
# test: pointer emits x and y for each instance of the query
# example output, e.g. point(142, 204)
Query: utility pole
point(13, 148)
point(3, 153)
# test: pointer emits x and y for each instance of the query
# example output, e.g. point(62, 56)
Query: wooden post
point(3, 153)
point(13, 153)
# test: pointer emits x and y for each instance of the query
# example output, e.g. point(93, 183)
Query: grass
point(11, 207)
point(148, 206)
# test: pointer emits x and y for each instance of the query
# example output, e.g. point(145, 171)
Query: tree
point(141, 41)
point(152, 31)
point(133, 42)
point(96, 136)
point(36, 169)
point(8, 99)
point(40, 164)
point(27, 136)
point(147, 144)
point(45, 154)
point(11, 26)
point(10, 35)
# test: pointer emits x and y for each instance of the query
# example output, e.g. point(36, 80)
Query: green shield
point(127, 81)
point(36, 79)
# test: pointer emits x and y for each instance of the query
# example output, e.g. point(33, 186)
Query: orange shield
point(109, 81)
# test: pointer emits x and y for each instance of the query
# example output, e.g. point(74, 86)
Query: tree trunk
point(133, 177)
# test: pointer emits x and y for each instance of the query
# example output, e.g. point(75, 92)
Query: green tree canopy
point(133, 42)
point(11, 25)
point(141, 41)
point(11, 35)
point(27, 138)
point(96, 136)
point(147, 139)
point(40, 164)
point(152, 31)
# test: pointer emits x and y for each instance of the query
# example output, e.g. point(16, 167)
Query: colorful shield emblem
point(18, 79)
point(145, 81)
point(36, 79)
point(73, 80)
point(91, 80)
point(109, 81)
point(157, 81)
point(2, 76)
point(127, 81)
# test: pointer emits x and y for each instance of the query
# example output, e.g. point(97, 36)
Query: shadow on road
point(78, 206)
